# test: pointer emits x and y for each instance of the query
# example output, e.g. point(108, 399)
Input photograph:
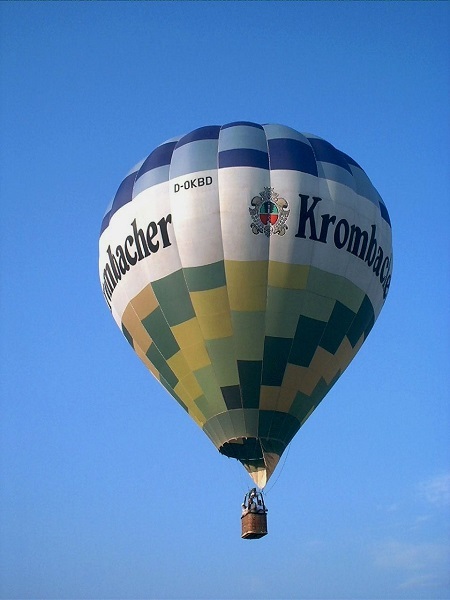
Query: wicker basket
point(254, 525)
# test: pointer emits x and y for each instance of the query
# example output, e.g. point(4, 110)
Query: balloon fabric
point(246, 265)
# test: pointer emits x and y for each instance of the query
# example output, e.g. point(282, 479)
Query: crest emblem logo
point(269, 213)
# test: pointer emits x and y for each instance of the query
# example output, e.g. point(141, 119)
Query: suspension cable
point(281, 470)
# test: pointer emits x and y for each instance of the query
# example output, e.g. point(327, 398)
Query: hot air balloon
point(246, 265)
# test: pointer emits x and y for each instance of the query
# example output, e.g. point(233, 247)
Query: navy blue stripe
point(326, 152)
point(246, 123)
point(105, 222)
point(350, 161)
point(293, 155)
point(384, 212)
point(123, 195)
point(243, 157)
point(211, 132)
point(160, 157)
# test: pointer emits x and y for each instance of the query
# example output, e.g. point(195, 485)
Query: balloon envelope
point(246, 264)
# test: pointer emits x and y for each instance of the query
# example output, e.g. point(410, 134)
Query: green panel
point(321, 390)
point(250, 381)
point(173, 394)
point(221, 354)
point(206, 378)
point(340, 320)
point(271, 429)
point(333, 381)
point(154, 356)
point(276, 352)
point(273, 446)
point(173, 297)
point(251, 417)
point(211, 427)
point(224, 419)
point(280, 324)
point(267, 423)
point(127, 335)
point(244, 423)
point(208, 410)
point(160, 332)
point(248, 330)
point(303, 404)
point(306, 340)
point(206, 277)
point(316, 307)
point(275, 425)
point(282, 300)
point(362, 323)
point(238, 422)
point(291, 427)
point(232, 396)
point(285, 305)
point(336, 287)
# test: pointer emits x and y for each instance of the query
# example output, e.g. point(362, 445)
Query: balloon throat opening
point(259, 462)
point(244, 449)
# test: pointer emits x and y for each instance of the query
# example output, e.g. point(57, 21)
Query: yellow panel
point(196, 357)
point(288, 276)
point(216, 326)
point(193, 409)
point(198, 417)
point(210, 302)
point(192, 386)
point(286, 398)
point(146, 362)
point(187, 333)
point(178, 364)
point(268, 397)
point(345, 353)
point(135, 328)
point(303, 379)
point(145, 302)
point(325, 363)
point(250, 299)
point(213, 313)
point(140, 307)
point(247, 284)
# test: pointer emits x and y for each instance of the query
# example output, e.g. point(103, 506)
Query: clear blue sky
point(107, 489)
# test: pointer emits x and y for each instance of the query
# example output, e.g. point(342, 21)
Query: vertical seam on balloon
point(281, 386)
point(227, 410)
point(355, 192)
point(312, 257)
point(275, 411)
point(146, 267)
point(315, 246)
point(265, 314)
point(309, 272)
point(193, 307)
point(184, 275)
point(170, 197)
point(225, 271)
point(267, 301)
